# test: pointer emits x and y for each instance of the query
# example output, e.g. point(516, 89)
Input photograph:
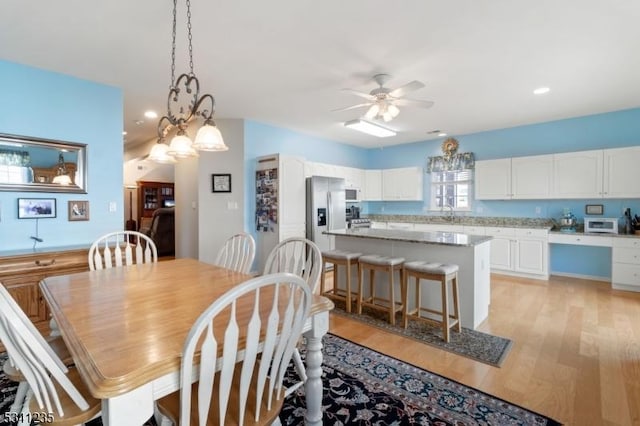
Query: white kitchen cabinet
point(514, 178)
point(493, 179)
point(354, 178)
point(625, 268)
point(520, 251)
point(501, 248)
point(372, 185)
point(404, 183)
point(531, 177)
point(621, 172)
point(577, 174)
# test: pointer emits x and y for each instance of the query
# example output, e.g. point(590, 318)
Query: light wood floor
point(575, 354)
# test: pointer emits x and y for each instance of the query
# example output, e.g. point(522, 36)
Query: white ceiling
point(284, 62)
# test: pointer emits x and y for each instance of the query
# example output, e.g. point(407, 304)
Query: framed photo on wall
point(78, 210)
point(221, 182)
point(36, 208)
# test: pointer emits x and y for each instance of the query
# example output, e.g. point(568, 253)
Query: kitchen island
point(470, 252)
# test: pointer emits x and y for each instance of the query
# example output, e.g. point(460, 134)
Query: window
point(451, 188)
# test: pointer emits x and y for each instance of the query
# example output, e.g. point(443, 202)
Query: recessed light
point(442, 134)
point(369, 128)
point(139, 122)
point(151, 114)
point(541, 91)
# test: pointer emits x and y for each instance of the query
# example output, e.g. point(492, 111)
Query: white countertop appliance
point(601, 225)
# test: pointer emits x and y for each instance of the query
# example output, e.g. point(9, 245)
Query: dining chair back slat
point(298, 256)
point(237, 253)
point(116, 249)
point(258, 339)
point(36, 363)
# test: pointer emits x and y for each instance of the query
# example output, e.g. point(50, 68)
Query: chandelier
point(184, 104)
point(62, 177)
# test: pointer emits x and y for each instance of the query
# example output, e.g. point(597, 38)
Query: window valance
point(461, 161)
point(14, 158)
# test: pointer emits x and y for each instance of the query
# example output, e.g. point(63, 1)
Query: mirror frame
point(81, 183)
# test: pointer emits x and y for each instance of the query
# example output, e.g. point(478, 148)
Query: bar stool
point(339, 258)
point(443, 273)
point(373, 263)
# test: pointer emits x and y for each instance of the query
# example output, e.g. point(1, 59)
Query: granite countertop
point(580, 231)
point(435, 237)
point(511, 222)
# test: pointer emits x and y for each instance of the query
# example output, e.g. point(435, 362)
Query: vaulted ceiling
point(284, 63)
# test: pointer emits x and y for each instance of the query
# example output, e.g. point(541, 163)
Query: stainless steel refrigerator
point(326, 209)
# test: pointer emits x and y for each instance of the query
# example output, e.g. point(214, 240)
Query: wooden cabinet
point(22, 273)
point(152, 196)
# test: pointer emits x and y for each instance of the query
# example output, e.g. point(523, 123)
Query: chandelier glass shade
point(61, 178)
point(186, 104)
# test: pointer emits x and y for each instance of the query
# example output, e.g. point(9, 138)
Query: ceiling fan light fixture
point(372, 112)
point(369, 128)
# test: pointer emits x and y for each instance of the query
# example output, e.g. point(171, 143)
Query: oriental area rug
point(472, 344)
point(365, 387)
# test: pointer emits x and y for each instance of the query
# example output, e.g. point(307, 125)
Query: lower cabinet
point(520, 251)
point(625, 268)
point(21, 275)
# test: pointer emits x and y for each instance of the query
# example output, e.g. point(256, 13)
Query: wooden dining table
point(126, 327)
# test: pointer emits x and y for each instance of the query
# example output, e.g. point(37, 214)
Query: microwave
point(601, 225)
point(351, 194)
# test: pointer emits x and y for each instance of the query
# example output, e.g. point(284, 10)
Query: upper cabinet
point(402, 184)
point(514, 178)
point(531, 177)
point(372, 185)
point(621, 172)
point(609, 173)
point(577, 174)
point(493, 179)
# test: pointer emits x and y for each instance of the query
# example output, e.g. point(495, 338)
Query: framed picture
point(594, 209)
point(221, 182)
point(36, 208)
point(78, 210)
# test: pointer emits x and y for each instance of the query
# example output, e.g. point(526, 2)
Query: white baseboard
point(581, 276)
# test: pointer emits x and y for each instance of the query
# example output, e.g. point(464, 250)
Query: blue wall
point(609, 130)
point(48, 105)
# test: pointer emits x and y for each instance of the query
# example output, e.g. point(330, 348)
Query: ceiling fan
point(383, 102)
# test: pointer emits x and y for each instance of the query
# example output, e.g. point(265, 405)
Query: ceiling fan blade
point(409, 87)
point(361, 94)
point(351, 107)
point(413, 102)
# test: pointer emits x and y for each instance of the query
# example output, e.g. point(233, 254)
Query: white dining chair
point(237, 253)
point(118, 248)
point(56, 393)
point(245, 379)
point(301, 257)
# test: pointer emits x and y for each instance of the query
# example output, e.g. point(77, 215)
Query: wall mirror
point(42, 165)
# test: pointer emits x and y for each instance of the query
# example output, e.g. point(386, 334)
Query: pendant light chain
point(173, 47)
point(189, 36)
